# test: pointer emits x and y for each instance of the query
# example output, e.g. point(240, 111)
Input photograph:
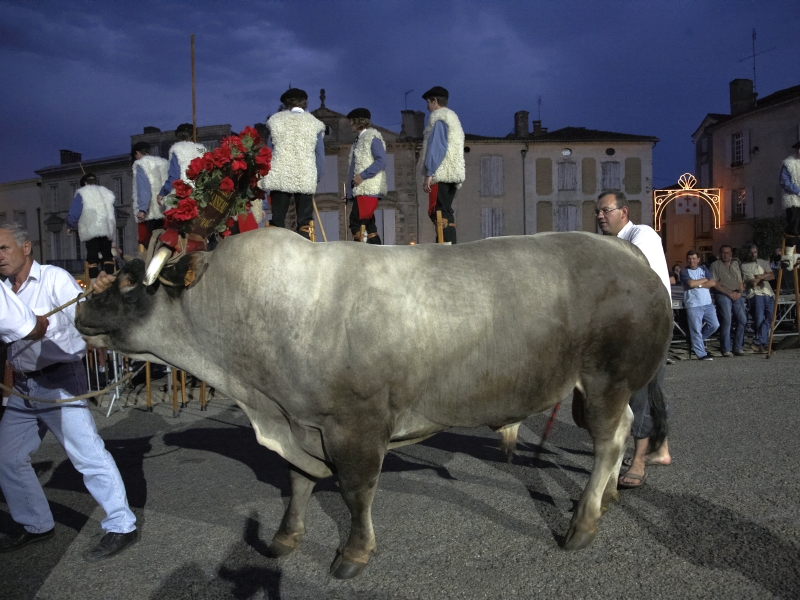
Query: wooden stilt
point(86, 279)
point(439, 228)
point(312, 234)
point(363, 233)
point(183, 389)
point(778, 297)
point(202, 395)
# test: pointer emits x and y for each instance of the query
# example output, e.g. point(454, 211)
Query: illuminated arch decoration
point(687, 181)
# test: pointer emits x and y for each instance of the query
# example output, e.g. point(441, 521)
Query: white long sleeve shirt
point(48, 287)
point(649, 242)
point(17, 320)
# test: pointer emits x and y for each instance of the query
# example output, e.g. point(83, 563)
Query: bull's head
point(104, 318)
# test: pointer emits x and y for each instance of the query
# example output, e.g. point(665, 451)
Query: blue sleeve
point(142, 190)
point(320, 152)
point(437, 148)
point(75, 210)
point(789, 186)
point(173, 175)
point(379, 164)
point(709, 274)
point(685, 279)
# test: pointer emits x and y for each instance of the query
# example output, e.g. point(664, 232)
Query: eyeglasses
point(605, 211)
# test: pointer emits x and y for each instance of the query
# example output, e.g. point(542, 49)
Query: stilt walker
point(366, 176)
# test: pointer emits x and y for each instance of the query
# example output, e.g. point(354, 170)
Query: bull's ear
point(130, 276)
point(195, 264)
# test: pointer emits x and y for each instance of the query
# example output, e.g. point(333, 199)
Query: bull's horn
point(156, 264)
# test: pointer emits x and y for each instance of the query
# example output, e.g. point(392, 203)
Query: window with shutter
point(544, 176)
point(738, 205)
point(118, 189)
point(737, 149)
point(54, 197)
point(567, 176)
point(21, 217)
point(566, 217)
point(610, 175)
point(492, 222)
point(491, 175)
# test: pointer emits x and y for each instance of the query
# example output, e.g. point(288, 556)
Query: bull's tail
point(658, 413)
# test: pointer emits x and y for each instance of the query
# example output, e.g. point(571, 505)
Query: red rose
point(226, 233)
point(185, 211)
point(238, 165)
point(182, 190)
point(222, 156)
point(264, 156)
point(252, 133)
point(226, 185)
point(208, 162)
point(194, 168)
point(230, 223)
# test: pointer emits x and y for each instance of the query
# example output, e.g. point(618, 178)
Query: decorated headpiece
point(436, 91)
point(293, 94)
point(359, 113)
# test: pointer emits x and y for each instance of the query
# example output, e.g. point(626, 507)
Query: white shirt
point(17, 319)
point(649, 242)
point(46, 288)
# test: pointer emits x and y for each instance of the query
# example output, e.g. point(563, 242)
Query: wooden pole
point(174, 392)
point(316, 212)
point(202, 395)
point(363, 233)
point(312, 234)
point(344, 205)
point(194, 98)
point(147, 381)
point(777, 301)
point(439, 228)
point(183, 389)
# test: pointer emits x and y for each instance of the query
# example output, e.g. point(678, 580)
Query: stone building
point(20, 202)
point(741, 153)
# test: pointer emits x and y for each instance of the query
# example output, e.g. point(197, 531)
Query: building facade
point(20, 203)
point(741, 153)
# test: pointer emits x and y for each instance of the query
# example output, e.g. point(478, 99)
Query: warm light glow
point(687, 182)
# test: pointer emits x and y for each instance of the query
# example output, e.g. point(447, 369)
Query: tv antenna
point(539, 104)
point(753, 56)
point(406, 98)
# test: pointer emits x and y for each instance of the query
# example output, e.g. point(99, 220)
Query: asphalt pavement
point(452, 518)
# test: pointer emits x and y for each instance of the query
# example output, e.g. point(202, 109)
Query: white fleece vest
point(792, 164)
point(157, 170)
point(186, 153)
point(361, 153)
point(97, 217)
point(294, 163)
point(452, 169)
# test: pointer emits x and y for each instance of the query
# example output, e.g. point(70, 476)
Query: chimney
point(69, 157)
point(538, 129)
point(742, 97)
point(521, 124)
point(150, 129)
point(413, 123)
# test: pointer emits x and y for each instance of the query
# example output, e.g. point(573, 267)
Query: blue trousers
point(761, 308)
point(702, 323)
point(22, 429)
point(731, 314)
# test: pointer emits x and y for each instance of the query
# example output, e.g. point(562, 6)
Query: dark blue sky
point(86, 75)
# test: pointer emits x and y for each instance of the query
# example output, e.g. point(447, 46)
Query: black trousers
point(356, 223)
point(97, 248)
point(444, 202)
point(793, 225)
point(280, 206)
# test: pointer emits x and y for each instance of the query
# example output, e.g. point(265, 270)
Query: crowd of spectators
point(719, 295)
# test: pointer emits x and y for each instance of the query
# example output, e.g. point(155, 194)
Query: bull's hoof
point(278, 549)
point(578, 540)
point(342, 569)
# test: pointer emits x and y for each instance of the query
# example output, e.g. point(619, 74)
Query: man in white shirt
point(52, 369)
point(649, 406)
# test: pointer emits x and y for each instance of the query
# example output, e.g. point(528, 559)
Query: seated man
point(697, 280)
point(49, 370)
point(756, 275)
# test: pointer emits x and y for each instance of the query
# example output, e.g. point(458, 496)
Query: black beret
point(87, 177)
point(143, 147)
point(187, 127)
point(292, 94)
point(436, 91)
point(796, 146)
point(359, 113)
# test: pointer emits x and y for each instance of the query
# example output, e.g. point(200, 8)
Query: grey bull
point(339, 352)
